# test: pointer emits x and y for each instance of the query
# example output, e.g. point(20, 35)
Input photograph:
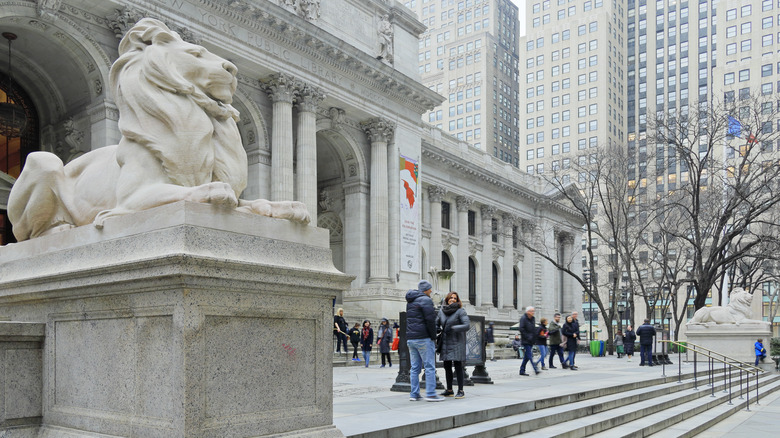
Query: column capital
point(565, 237)
point(527, 225)
point(436, 193)
point(379, 129)
point(463, 203)
point(280, 87)
point(487, 211)
point(308, 98)
point(509, 221)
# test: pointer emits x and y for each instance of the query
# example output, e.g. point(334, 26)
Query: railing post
point(712, 377)
point(695, 377)
point(663, 362)
point(740, 385)
point(724, 381)
point(724, 377)
point(679, 365)
point(747, 392)
point(757, 388)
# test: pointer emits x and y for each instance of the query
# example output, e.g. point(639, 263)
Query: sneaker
point(391, 365)
point(565, 366)
point(381, 366)
point(629, 359)
point(460, 394)
point(552, 367)
point(573, 368)
point(414, 398)
point(435, 398)
point(447, 393)
point(537, 372)
point(524, 374)
point(544, 368)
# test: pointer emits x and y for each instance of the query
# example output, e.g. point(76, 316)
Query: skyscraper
point(469, 54)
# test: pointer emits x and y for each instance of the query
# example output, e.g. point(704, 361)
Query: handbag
point(394, 346)
point(563, 341)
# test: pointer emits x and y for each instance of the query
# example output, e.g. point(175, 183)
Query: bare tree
point(725, 186)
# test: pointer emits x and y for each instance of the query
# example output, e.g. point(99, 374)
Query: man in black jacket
point(646, 332)
point(528, 336)
point(421, 340)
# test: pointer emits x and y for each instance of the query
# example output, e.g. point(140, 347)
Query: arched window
point(445, 261)
point(495, 285)
point(472, 282)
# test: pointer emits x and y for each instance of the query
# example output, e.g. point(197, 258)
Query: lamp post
point(621, 309)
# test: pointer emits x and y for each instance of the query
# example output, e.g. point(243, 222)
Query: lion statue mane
point(179, 142)
point(736, 312)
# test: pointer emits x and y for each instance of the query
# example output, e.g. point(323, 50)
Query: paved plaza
point(363, 402)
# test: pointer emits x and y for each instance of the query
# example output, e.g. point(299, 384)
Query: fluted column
point(435, 194)
point(485, 290)
point(463, 205)
point(281, 88)
point(380, 132)
point(505, 294)
point(306, 178)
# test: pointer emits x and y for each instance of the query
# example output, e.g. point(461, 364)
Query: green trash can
point(595, 347)
point(680, 348)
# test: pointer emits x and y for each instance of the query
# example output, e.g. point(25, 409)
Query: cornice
point(292, 31)
point(501, 183)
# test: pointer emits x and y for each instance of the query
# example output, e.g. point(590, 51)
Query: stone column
point(282, 88)
point(462, 264)
point(505, 294)
point(528, 278)
point(485, 290)
point(435, 194)
point(570, 288)
point(394, 212)
point(306, 177)
point(380, 132)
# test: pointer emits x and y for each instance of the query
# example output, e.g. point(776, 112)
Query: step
point(690, 418)
point(549, 415)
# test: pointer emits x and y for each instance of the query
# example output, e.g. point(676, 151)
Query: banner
point(410, 216)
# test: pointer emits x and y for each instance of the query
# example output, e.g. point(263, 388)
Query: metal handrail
point(727, 380)
point(732, 363)
point(687, 345)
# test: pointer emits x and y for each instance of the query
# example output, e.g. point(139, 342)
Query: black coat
point(646, 332)
point(386, 337)
point(569, 329)
point(541, 335)
point(455, 327)
point(420, 316)
point(367, 342)
point(354, 335)
point(527, 329)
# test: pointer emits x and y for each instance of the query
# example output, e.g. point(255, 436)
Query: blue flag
point(735, 128)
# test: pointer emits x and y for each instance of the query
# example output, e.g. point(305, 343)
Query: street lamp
point(669, 333)
point(621, 309)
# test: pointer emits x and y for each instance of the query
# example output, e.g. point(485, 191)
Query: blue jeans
point(542, 355)
point(366, 356)
point(570, 358)
point(422, 353)
point(528, 354)
point(646, 354)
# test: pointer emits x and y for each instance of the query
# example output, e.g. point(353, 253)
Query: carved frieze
point(307, 9)
point(123, 19)
point(48, 9)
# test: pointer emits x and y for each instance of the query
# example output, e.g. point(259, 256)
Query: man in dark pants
point(555, 339)
point(528, 336)
point(646, 332)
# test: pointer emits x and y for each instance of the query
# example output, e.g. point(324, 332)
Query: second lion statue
point(179, 142)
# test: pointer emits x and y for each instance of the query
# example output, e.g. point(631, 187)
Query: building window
point(472, 221)
point(445, 215)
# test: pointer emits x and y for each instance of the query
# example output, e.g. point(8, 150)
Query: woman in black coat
point(384, 339)
point(628, 341)
point(366, 340)
point(570, 331)
point(454, 323)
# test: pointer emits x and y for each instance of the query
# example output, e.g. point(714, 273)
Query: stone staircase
point(662, 406)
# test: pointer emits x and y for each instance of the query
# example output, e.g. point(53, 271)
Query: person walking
point(629, 339)
point(366, 340)
point(570, 329)
point(421, 340)
point(490, 340)
point(517, 345)
point(454, 323)
point(340, 330)
point(760, 351)
point(384, 339)
point(528, 337)
point(619, 343)
point(555, 339)
point(354, 338)
point(646, 332)
point(541, 342)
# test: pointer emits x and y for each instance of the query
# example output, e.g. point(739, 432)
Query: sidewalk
point(363, 402)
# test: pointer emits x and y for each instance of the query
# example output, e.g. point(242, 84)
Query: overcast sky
point(521, 16)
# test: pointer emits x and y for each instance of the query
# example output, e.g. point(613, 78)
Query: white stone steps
point(691, 417)
point(541, 419)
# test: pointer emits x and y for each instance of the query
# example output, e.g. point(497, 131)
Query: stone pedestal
point(186, 320)
point(735, 341)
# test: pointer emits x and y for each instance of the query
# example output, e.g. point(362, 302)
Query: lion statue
point(736, 312)
point(179, 142)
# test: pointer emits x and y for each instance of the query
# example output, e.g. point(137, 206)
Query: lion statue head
point(161, 82)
